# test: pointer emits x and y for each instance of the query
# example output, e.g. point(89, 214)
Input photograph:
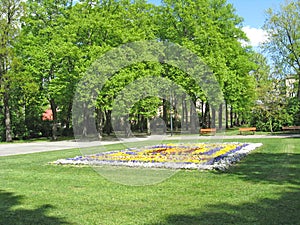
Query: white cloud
point(255, 35)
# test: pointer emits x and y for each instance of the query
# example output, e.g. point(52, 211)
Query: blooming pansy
point(189, 156)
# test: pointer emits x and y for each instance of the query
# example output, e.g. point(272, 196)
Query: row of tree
point(47, 47)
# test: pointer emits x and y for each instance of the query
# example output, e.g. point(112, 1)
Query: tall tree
point(283, 27)
point(212, 30)
point(262, 76)
point(10, 11)
point(49, 53)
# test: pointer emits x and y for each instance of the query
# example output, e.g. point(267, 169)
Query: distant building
point(47, 115)
point(290, 83)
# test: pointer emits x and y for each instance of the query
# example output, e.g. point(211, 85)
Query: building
point(290, 84)
point(47, 115)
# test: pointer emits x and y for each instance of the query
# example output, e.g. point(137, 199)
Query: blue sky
point(253, 12)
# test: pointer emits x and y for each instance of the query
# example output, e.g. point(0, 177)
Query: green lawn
point(264, 188)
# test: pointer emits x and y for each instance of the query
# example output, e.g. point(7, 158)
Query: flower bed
point(174, 156)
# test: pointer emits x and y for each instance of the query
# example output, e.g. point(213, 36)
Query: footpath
point(27, 148)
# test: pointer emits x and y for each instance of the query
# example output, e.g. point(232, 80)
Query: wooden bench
point(247, 129)
point(291, 128)
point(208, 131)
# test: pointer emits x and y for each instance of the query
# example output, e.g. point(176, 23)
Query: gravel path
point(26, 148)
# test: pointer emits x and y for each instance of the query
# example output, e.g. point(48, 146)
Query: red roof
point(47, 115)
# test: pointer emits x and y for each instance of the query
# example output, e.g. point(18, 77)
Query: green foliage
point(270, 119)
point(274, 111)
point(283, 26)
point(293, 109)
point(10, 13)
point(2, 128)
point(61, 39)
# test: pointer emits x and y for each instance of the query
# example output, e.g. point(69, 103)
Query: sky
point(253, 12)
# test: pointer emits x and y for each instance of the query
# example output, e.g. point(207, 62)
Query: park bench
point(291, 128)
point(247, 129)
point(208, 131)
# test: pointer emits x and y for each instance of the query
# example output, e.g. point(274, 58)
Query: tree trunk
point(298, 92)
point(54, 122)
point(226, 115)
point(192, 118)
point(148, 127)
point(213, 118)
point(176, 116)
point(99, 122)
point(142, 122)
point(231, 116)
point(108, 126)
point(202, 113)
point(69, 116)
point(186, 115)
point(206, 121)
point(237, 120)
point(270, 125)
point(85, 121)
point(165, 117)
point(220, 116)
point(183, 112)
point(127, 127)
point(8, 136)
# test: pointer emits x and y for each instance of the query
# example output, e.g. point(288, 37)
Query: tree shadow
point(280, 168)
point(11, 216)
point(284, 210)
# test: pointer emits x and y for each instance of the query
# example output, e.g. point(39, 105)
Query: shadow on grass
point(284, 210)
point(11, 216)
point(280, 168)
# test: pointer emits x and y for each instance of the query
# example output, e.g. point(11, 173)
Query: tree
point(212, 30)
point(272, 111)
point(49, 54)
point(262, 76)
point(61, 39)
point(10, 11)
point(283, 27)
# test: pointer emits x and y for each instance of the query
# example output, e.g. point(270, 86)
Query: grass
point(264, 188)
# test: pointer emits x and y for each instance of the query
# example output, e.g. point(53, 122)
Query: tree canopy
point(283, 27)
point(48, 46)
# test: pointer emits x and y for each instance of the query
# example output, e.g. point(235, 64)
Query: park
point(36, 192)
point(132, 112)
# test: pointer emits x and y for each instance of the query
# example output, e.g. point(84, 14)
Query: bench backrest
point(208, 129)
point(247, 129)
point(291, 128)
